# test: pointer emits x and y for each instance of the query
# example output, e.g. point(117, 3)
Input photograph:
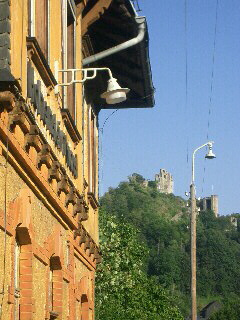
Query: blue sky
point(146, 140)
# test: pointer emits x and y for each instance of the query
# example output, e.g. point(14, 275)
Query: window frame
point(32, 30)
point(50, 291)
point(17, 251)
point(66, 6)
point(92, 152)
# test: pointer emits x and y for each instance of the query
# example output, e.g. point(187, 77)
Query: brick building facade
point(49, 151)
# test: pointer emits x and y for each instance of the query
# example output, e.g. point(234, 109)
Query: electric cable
point(211, 86)
point(186, 85)
point(100, 160)
point(101, 129)
point(101, 150)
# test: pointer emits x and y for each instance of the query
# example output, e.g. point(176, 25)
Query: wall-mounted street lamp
point(114, 93)
point(209, 155)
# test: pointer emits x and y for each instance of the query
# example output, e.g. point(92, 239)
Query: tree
point(123, 289)
point(230, 310)
point(218, 257)
point(136, 178)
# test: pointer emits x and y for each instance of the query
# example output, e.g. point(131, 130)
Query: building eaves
point(130, 66)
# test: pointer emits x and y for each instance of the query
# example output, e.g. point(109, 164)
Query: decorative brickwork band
point(44, 156)
point(54, 172)
point(63, 185)
point(19, 117)
point(71, 197)
point(32, 139)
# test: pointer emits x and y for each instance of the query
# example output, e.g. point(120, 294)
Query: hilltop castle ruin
point(210, 203)
point(164, 181)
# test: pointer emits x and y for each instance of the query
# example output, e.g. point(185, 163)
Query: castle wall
point(210, 203)
point(164, 181)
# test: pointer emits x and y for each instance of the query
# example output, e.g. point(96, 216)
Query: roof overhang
point(130, 66)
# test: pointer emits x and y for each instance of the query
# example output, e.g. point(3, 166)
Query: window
point(92, 159)
point(41, 25)
point(71, 30)
point(67, 254)
point(53, 314)
point(50, 292)
point(31, 11)
point(209, 205)
point(69, 54)
point(16, 279)
point(38, 23)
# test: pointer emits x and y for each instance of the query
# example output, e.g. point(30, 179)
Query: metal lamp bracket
point(77, 75)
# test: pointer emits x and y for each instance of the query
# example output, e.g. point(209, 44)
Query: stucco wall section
point(7, 176)
point(43, 221)
point(79, 269)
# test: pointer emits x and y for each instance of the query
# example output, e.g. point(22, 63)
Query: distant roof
point(131, 66)
point(209, 309)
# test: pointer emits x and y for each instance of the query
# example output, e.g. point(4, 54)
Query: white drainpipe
point(141, 21)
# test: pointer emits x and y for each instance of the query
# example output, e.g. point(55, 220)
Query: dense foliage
point(123, 289)
point(218, 256)
point(161, 249)
point(230, 310)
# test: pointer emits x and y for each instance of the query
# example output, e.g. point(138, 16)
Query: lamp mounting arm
point(85, 74)
point(209, 144)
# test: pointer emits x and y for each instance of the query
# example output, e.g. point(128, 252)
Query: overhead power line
point(186, 83)
point(211, 84)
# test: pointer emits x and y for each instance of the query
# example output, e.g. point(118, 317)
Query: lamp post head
point(114, 93)
point(210, 154)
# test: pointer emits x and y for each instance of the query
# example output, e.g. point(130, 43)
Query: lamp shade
point(210, 154)
point(114, 93)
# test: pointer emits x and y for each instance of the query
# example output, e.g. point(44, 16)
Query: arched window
point(53, 314)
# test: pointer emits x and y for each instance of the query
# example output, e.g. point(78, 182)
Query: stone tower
point(164, 181)
point(210, 203)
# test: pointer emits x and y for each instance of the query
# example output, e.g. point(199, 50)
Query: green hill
point(162, 227)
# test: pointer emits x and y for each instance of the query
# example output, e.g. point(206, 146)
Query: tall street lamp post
point(209, 155)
